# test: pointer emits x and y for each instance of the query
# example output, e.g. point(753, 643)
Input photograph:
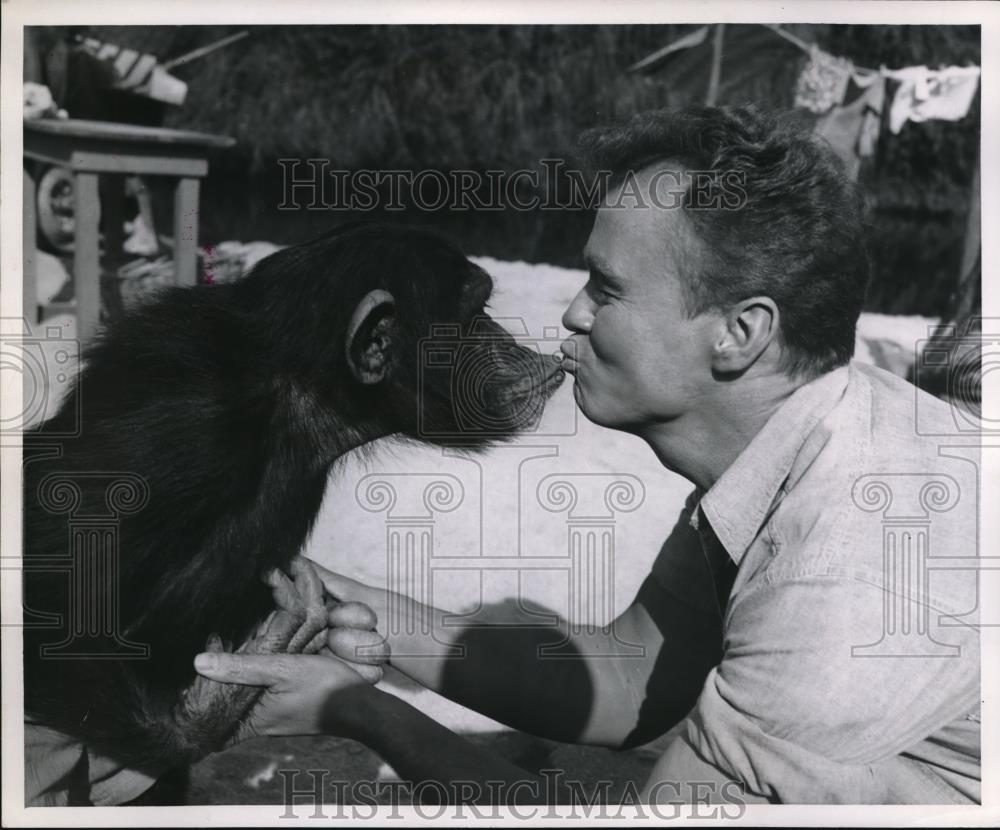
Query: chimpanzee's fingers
point(215, 643)
point(351, 615)
point(309, 590)
point(283, 590)
point(357, 646)
point(307, 581)
point(316, 643)
point(281, 629)
point(261, 629)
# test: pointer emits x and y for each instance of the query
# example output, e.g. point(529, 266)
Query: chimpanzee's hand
point(210, 712)
point(301, 618)
point(299, 696)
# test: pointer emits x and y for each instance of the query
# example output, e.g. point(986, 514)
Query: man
point(787, 620)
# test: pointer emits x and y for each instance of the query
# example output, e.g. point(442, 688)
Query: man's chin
point(590, 412)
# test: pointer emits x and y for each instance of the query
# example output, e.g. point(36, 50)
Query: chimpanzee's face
point(455, 377)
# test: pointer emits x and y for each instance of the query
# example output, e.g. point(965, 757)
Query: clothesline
point(698, 37)
point(807, 47)
point(921, 94)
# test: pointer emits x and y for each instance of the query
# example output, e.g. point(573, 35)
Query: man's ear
point(369, 334)
point(750, 328)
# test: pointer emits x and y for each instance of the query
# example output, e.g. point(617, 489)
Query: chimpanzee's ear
point(369, 334)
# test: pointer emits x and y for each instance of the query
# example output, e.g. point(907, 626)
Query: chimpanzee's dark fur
point(231, 402)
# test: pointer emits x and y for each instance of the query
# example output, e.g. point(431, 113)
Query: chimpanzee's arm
point(209, 712)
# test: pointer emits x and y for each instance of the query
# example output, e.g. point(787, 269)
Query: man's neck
point(704, 442)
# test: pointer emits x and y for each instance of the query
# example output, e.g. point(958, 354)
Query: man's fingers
point(357, 646)
point(323, 573)
point(244, 669)
point(370, 674)
point(337, 586)
point(352, 615)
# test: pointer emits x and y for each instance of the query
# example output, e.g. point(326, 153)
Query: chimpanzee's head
point(388, 324)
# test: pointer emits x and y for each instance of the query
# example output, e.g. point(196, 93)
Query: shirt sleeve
point(59, 771)
point(798, 715)
point(53, 766)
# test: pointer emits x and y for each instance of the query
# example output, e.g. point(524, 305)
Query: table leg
point(86, 264)
point(186, 231)
point(145, 200)
point(29, 279)
point(112, 188)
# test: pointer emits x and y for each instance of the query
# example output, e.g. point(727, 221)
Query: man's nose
point(580, 314)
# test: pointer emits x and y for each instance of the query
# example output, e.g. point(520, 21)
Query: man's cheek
point(602, 348)
point(612, 339)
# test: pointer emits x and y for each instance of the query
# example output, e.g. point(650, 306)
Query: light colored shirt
point(850, 673)
point(59, 771)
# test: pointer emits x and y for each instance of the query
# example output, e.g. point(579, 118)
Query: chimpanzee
point(219, 409)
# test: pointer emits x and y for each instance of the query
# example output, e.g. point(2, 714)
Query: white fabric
point(927, 94)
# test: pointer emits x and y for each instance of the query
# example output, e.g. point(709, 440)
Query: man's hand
point(323, 695)
point(305, 694)
point(208, 712)
point(297, 688)
point(606, 696)
point(352, 637)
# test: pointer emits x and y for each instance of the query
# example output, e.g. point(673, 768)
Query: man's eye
point(600, 289)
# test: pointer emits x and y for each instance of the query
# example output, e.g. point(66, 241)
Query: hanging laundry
point(864, 78)
point(871, 123)
point(853, 130)
point(138, 72)
point(927, 94)
point(823, 82)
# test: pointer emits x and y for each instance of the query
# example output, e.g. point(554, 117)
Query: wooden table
point(93, 149)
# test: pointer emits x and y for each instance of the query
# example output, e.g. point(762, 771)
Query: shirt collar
point(739, 502)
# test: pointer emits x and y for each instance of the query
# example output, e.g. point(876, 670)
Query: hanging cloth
point(853, 130)
point(864, 78)
point(823, 82)
point(927, 94)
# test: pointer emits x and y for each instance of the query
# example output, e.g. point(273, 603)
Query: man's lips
point(567, 350)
